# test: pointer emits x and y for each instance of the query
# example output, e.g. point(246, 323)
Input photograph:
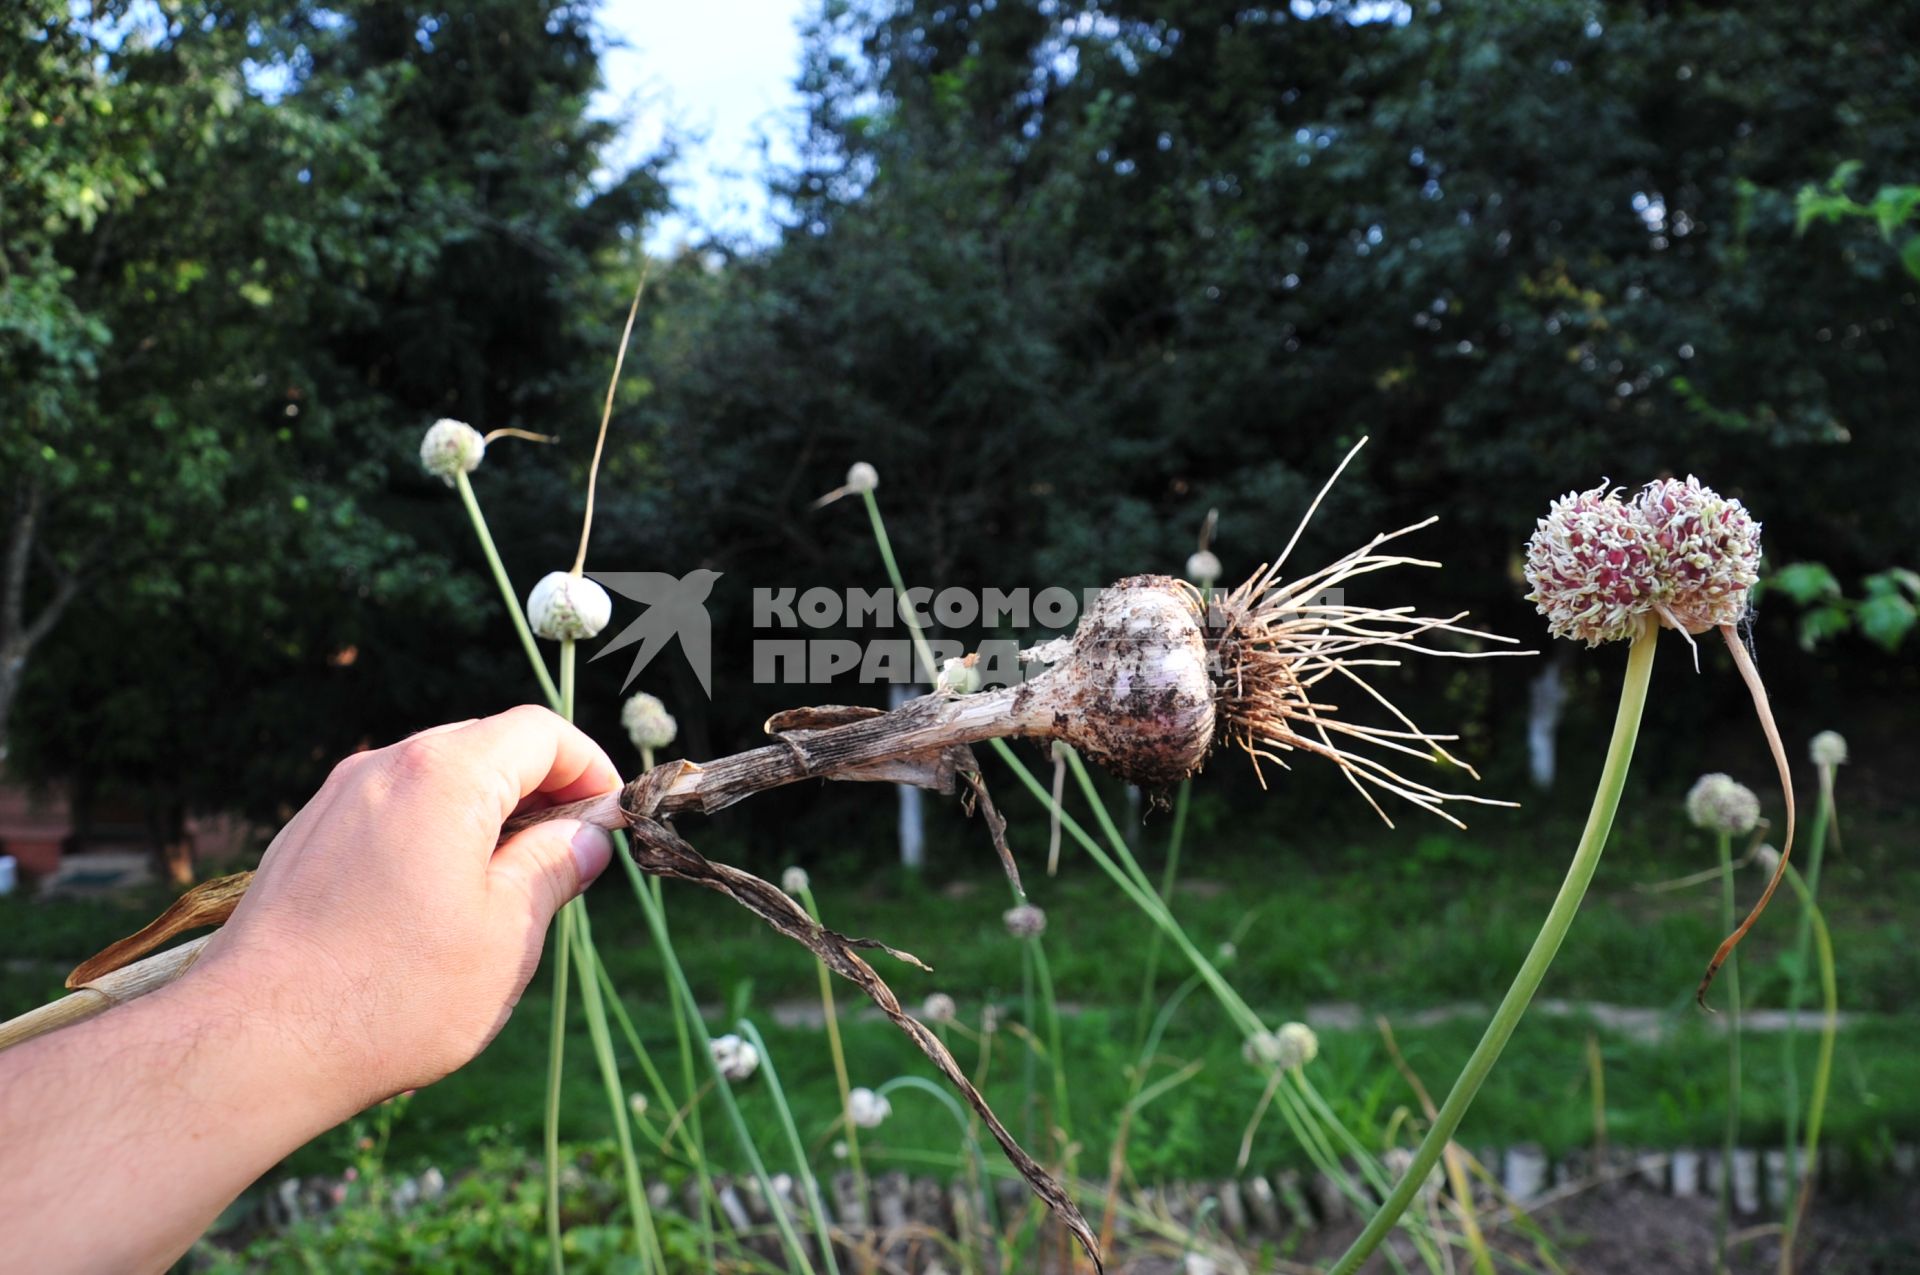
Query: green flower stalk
point(1823, 1067)
point(795, 882)
point(1586, 858)
point(1719, 805)
point(1606, 571)
point(1828, 750)
point(1592, 578)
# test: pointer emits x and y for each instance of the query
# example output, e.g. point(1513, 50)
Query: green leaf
point(1910, 255)
point(1805, 582)
point(1908, 580)
point(1893, 205)
point(1821, 623)
point(1886, 620)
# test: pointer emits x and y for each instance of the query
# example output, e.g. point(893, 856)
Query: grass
point(1391, 926)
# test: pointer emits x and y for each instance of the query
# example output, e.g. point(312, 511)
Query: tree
point(1072, 274)
point(361, 216)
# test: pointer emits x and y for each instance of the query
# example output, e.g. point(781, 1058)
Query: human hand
point(384, 931)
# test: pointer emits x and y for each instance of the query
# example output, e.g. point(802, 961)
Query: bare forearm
point(123, 1137)
point(387, 935)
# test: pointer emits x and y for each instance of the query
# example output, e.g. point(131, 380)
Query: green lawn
point(1395, 926)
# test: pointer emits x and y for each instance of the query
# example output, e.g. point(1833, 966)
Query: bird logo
point(675, 607)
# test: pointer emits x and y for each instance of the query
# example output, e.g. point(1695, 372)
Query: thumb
point(554, 861)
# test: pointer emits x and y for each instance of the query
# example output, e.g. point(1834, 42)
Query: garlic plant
point(1605, 570)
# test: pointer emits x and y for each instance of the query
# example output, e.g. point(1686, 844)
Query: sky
point(717, 77)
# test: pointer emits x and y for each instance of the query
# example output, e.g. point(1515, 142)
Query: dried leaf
point(209, 903)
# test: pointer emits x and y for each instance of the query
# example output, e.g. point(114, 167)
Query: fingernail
point(592, 851)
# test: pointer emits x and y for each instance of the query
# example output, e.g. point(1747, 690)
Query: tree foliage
point(334, 224)
point(1069, 275)
point(1072, 274)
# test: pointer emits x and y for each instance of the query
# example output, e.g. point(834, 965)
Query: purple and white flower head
point(1025, 921)
point(451, 448)
point(564, 606)
point(1590, 568)
point(1705, 549)
point(1720, 803)
point(1829, 748)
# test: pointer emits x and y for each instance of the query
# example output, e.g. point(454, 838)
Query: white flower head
point(1203, 567)
point(939, 1008)
point(1025, 921)
point(451, 448)
point(637, 1104)
point(735, 1058)
point(648, 723)
point(1719, 803)
point(794, 880)
point(1768, 860)
point(568, 606)
point(959, 676)
point(1294, 1045)
point(1829, 748)
point(1198, 1264)
point(867, 1109)
point(862, 477)
point(1298, 1045)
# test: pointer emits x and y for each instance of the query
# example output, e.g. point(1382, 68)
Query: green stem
point(803, 1173)
point(1723, 1221)
point(1050, 1005)
point(556, 1054)
point(709, 1196)
point(1823, 1065)
point(905, 607)
point(645, 1236)
point(1144, 898)
point(1606, 801)
point(1796, 985)
point(677, 981)
point(1174, 840)
point(512, 599)
point(831, 1016)
point(640, 1052)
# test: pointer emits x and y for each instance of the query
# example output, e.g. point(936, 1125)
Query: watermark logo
point(676, 608)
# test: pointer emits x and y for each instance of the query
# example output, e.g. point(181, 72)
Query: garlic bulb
point(1134, 693)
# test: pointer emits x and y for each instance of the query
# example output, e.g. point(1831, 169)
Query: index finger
point(536, 753)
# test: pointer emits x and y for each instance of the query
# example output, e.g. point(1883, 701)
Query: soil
point(1629, 1229)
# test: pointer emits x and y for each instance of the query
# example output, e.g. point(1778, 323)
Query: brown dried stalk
point(659, 850)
